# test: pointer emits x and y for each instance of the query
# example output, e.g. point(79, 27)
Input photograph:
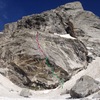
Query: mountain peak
point(74, 5)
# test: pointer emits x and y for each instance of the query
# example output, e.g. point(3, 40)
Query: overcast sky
point(12, 10)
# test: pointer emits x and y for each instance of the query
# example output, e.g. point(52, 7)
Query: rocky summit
point(43, 51)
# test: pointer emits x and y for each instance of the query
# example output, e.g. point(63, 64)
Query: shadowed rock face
point(19, 50)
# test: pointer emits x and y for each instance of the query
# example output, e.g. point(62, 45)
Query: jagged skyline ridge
point(11, 11)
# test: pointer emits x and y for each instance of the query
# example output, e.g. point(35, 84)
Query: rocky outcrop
point(27, 66)
point(25, 55)
point(84, 86)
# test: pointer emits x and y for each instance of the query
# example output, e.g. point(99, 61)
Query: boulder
point(25, 93)
point(84, 86)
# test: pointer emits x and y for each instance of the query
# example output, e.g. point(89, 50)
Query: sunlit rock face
point(25, 54)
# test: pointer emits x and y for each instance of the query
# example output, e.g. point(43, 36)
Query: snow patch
point(1, 32)
point(89, 48)
point(65, 36)
point(89, 53)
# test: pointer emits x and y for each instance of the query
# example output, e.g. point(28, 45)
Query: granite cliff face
point(21, 55)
